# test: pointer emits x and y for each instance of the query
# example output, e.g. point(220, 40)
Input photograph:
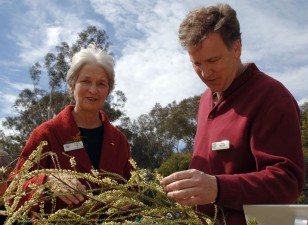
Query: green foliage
point(114, 200)
point(304, 125)
point(252, 221)
point(176, 162)
point(179, 121)
point(304, 131)
point(303, 199)
point(114, 105)
point(7, 145)
point(164, 130)
point(149, 151)
point(32, 112)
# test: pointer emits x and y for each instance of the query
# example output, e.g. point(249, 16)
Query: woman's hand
point(66, 188)
point(191, 187)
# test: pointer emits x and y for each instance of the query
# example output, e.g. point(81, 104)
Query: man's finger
point(175, 177)
point(182, 194)
point(188, 201)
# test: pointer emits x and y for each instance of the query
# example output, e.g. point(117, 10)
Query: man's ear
point(237, 48)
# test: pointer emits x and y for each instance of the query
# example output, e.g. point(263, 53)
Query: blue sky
point(151, 66)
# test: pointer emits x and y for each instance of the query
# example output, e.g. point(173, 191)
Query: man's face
point(216, 65)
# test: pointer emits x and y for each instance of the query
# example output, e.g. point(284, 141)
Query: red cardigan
point(62, 129)
point(264, 163)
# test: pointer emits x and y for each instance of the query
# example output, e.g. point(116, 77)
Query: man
point(248, 145)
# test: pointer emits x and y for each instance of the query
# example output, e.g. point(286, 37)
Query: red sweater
point(59, 131)
point(264, 163)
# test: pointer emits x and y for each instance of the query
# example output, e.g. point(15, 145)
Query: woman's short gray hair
point(95, 55)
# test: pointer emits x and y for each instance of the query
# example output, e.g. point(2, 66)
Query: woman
point(81, 131)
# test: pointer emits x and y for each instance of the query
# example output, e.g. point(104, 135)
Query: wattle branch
point(139, 200)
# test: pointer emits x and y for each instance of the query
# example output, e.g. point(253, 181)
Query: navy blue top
point(92, 140)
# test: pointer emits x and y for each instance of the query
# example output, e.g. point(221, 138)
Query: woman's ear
point(70, 89)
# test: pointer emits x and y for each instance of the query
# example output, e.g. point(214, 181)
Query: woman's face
point(91, 88)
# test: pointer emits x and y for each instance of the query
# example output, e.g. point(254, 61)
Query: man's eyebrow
point(213, 58)
point(207, 60)
point(194, 62)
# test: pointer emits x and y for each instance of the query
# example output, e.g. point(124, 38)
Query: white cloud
point(274, 31)
point(19, 86)
point(153, 67)
point(150, 63)
point(8, 95)
point(295, 79)
point(303, 100)
point(15, 85)
point(8, 98)
point(147, 78)
point(123, 15)
point(46, 26)
point(6, 102)
point(5, 130)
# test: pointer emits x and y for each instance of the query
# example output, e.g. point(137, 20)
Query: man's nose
point(205, 71)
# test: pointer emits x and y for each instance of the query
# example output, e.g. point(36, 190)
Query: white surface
point(299, 221)
point(277, 214)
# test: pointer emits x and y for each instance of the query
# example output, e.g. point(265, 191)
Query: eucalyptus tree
point(155, 136)
point(304, 125)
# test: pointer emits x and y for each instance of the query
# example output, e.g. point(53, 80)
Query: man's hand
point(191, 187)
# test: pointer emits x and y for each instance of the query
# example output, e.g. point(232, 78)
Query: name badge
point(221, 145)
point(73, 146)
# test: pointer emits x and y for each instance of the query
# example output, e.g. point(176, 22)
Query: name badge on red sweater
point(73, 146)
point(221, 145)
